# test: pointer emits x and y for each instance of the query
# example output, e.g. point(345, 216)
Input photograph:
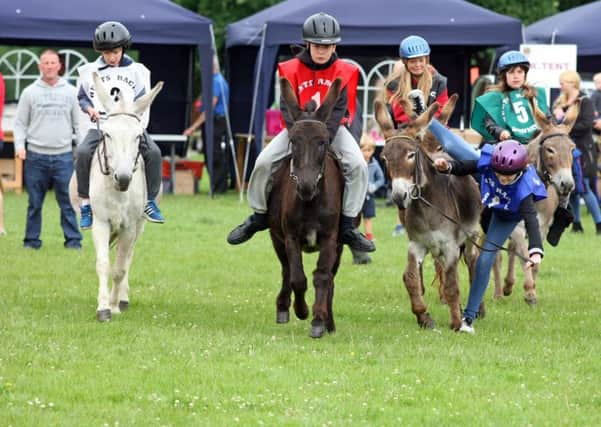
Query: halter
point(106, 170)
point(323, 164)
point(542, 170)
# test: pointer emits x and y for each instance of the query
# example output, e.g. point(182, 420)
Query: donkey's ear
point(383, 119)
point(143, 102)
point(103, 96)
point(541, 118)
point(325, 110)
point(424, 119)
point(290, 98)
point(447, 110)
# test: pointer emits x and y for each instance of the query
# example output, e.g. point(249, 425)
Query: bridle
point(323, 163)
point(106, 170)
point(541, 168)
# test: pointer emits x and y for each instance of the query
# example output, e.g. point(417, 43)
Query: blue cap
point(512, 58)
point(413, 47)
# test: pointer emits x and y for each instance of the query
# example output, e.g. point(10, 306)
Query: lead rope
point(417, 195)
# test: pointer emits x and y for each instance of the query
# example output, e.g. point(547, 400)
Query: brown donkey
point(441, 211)
point(551, 153)
point(304, 211)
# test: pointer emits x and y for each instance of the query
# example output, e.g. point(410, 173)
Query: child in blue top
point(509, 187)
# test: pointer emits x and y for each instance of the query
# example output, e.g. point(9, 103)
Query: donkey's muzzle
point(307, 191)
point(122, 181)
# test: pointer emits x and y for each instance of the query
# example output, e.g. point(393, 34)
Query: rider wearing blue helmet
point(415, 72)
point(506, 111)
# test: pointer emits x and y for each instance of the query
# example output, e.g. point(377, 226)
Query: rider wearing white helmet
point(124, 78)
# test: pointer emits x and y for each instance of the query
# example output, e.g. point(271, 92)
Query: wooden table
point(12, 167)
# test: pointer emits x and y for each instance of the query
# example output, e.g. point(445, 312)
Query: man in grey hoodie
point(45, 126)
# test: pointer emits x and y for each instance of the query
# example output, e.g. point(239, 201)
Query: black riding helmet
point(111, 34)
point(321, 28)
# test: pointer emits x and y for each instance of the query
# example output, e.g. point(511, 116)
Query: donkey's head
point(406, 161)
point(309, 138)
point(122, 131)
point(551, 150)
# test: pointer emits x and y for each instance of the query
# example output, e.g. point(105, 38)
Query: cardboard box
point(185, 182)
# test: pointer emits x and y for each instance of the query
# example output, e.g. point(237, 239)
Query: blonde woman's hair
point(367, 141)
point(424, 83)
point(568, 77)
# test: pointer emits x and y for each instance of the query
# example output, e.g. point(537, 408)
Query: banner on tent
point(548, 61)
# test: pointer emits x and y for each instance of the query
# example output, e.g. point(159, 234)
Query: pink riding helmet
point(509, 157)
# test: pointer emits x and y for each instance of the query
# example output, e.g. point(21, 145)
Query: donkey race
point(413, 192)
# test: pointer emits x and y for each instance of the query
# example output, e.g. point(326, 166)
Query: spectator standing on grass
point(45, 125)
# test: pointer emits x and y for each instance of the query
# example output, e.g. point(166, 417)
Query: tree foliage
point(225, 12)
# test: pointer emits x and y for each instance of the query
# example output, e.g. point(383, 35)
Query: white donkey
point(117, 195)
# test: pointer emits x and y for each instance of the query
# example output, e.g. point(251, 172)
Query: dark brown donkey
point(304, 211)
point(441, 211)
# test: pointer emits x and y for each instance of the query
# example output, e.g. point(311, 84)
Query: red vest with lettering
point(314, 84)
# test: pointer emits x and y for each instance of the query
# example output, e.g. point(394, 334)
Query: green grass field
point(200, 346)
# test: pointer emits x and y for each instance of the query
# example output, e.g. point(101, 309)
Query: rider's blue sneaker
point(85, 222)
point(152, 212)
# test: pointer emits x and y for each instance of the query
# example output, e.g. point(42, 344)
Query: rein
point(106, 170)
point(415, 193)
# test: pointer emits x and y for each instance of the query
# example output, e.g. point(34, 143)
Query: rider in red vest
point(311, 73)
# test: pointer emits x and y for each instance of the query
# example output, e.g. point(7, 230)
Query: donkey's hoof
point(123, 305)
point(507, 291)
point(530, 300)
point(427, 322)
point(317, 329)
point(282, 317)
point(103, 315)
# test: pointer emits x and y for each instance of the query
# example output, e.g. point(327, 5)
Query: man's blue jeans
point(42, 171)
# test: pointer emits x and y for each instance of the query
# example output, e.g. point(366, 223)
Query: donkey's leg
point(517, 244)
point(323, 281)
point(530, 284)
point(298, 280)
point(101, 235)
point(119, 293)
point(440, 276)
point(451, 292)
point(411, 277)
point(331, 326)
point(282, 302)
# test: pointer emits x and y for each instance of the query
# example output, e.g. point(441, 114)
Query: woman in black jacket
point(586, 153)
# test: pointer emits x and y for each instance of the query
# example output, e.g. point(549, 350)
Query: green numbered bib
point(511, 111)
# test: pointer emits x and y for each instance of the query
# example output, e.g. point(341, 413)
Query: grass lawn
point(200, 346)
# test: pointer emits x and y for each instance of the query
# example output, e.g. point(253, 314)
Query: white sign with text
point(548, 61)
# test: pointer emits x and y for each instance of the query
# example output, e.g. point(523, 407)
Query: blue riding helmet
point(413, 47)
point(511, 59)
